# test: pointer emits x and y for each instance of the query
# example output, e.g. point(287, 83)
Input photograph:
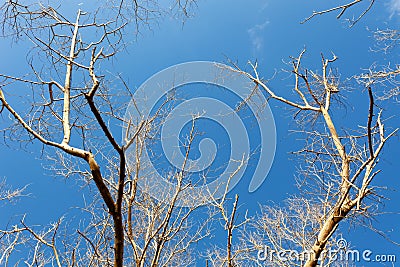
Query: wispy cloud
point(264, 5)
point(256, 35)
point(394, 7)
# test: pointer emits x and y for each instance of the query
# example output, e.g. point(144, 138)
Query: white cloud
point(256, 35)
point(394, 7)
point(264, 5)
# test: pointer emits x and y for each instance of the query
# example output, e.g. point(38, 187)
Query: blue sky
point(269, 31)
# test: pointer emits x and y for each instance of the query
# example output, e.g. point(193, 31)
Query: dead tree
point(72, 109)
point(340, 165)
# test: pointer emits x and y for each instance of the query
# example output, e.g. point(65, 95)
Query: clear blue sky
point(269, 31)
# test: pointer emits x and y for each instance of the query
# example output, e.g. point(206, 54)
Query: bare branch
point(342, 9)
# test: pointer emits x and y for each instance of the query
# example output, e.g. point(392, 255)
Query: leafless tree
point(71, 110)
point(229, 255)
point(339, 165)
point(72, 106)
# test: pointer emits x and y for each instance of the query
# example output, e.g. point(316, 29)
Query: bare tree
point(231, 254)
point(71, 111)
point(340, 165)
point(337, 165)
point(73, 105)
